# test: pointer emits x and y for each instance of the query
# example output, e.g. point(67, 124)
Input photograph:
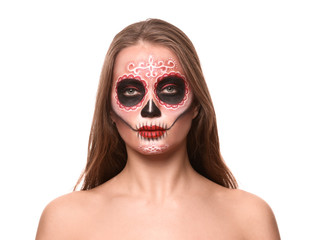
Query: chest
point(193, 222)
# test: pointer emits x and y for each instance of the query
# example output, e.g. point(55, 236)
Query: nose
point(150, 110)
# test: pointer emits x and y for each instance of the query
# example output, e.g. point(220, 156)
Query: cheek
point(175, 111)
point(172, 114)
point(123, 130)
point(178, 133)
point(128, 118)
point(124, 119)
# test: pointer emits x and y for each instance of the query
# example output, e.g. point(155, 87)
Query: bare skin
point(157, 196)
point(162, 201)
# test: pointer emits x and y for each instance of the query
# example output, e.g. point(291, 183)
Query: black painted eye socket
point(130, 92)
point(171, 89)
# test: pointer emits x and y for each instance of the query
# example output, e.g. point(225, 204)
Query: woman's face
point(151, 99)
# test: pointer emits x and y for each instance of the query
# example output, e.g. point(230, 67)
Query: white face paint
point(151, 99)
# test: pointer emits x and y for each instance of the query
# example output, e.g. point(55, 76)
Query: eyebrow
point(172, 79)
point(129, 81)
point(127, 76)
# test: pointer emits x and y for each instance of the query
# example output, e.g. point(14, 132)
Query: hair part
point(107, 155)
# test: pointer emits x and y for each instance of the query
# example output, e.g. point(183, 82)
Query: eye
point(169, 89)
point(131, 91)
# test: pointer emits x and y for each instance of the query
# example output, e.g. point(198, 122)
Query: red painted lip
point(151, 131)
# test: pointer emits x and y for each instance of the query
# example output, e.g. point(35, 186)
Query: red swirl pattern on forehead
point(172, 106)
point(152, 68)
point(130, 76)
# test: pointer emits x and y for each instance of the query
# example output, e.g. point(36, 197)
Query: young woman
point(154, 168)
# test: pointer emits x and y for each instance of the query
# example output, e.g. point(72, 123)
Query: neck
point(157, 177)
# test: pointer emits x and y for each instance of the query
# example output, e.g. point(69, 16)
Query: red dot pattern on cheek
point(172, 106)
point(132, 108)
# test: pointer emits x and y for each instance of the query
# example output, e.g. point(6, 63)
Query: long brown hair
point(107, 154)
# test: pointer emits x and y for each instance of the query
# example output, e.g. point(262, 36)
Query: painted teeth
point(151, 131)
point(151, 136)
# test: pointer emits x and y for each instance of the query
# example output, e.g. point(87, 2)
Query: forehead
point(144, 53)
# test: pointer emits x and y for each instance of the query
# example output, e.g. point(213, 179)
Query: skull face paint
point(151, 99)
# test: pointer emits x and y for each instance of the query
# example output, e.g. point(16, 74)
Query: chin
point(153, 149)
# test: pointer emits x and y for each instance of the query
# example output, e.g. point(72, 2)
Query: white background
point(259, 61)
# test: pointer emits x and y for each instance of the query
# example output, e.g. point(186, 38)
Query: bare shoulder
point(62, 216)
point(254, 215)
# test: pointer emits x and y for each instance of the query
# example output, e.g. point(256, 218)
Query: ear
point(112, 116)
point(196, 111)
